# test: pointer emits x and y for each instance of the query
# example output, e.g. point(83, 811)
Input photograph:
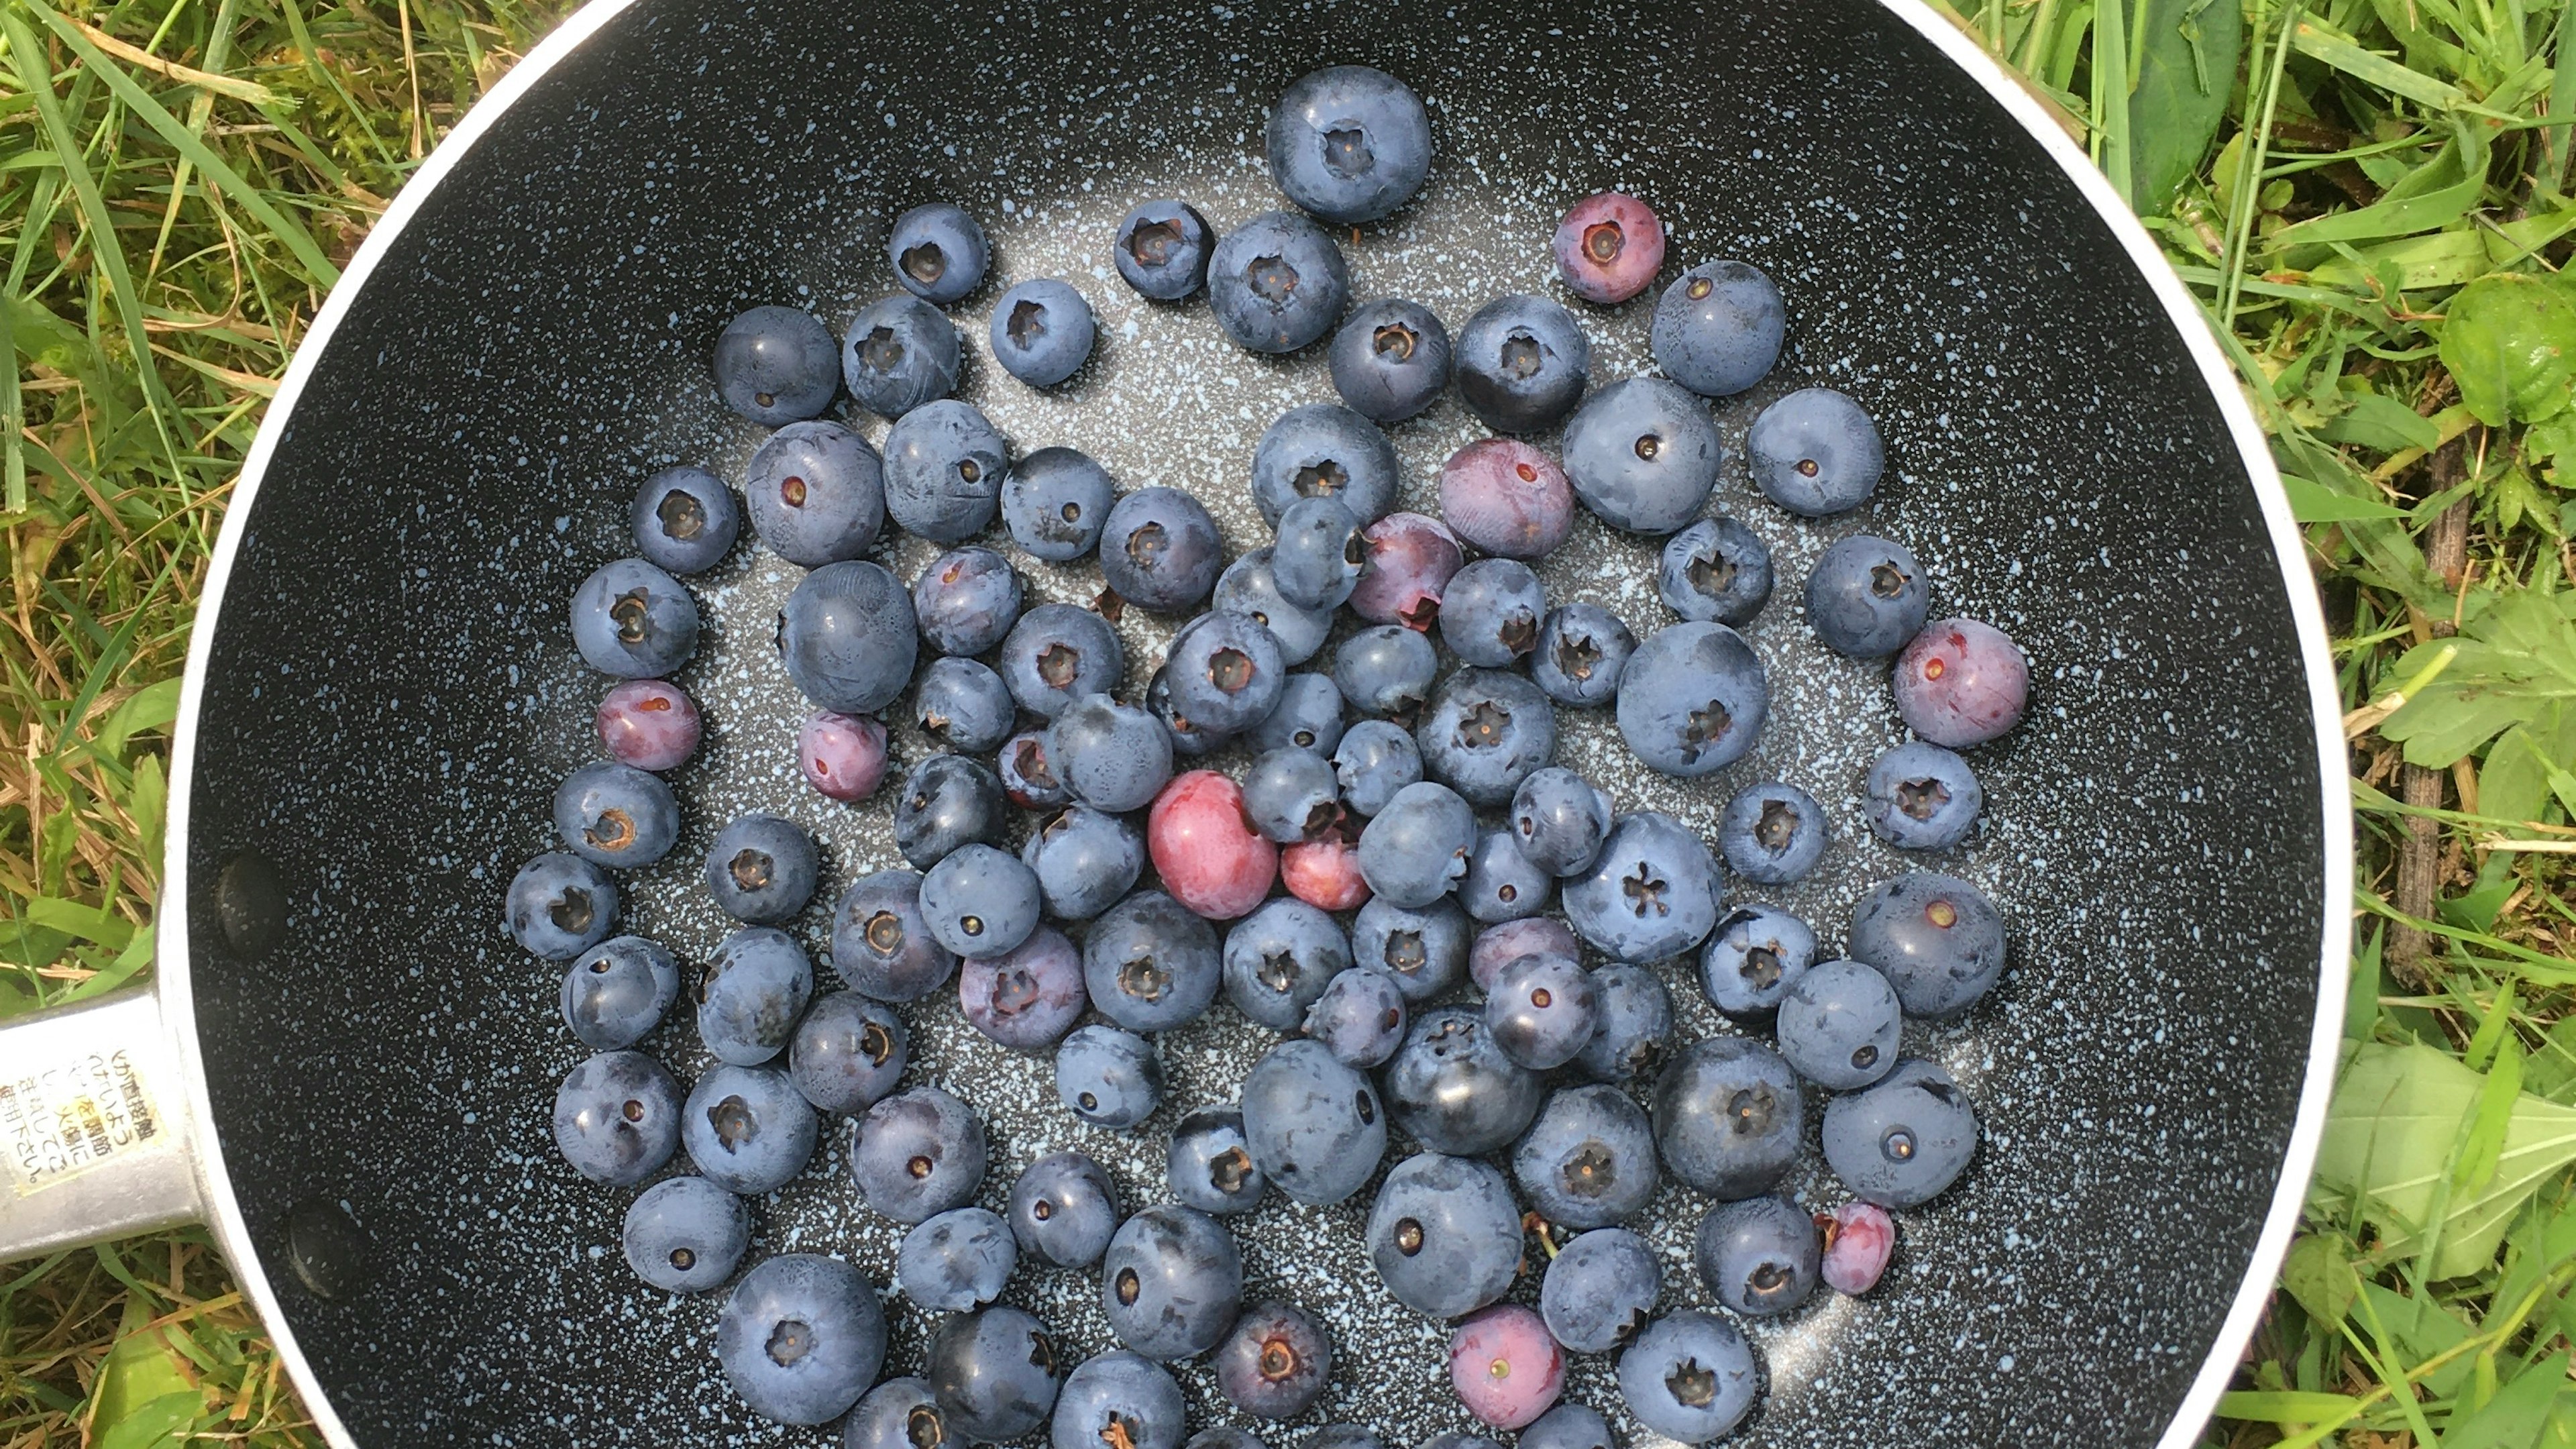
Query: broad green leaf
point(2560, 1431)
point(2393, 1134)
point(146, 1393)
point(2513, 779)
point(2382, 424)
point(2516, 661)
point(161, 1423)
point(2319, 1274)
point(2313, 502)
point(2185, 68)
point(2509, 341)
point(2514, 1418)
point(2550, 1070)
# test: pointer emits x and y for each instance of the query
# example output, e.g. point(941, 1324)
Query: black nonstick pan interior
point(392, 694)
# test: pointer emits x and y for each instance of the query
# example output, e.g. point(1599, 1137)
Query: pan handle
point(96, 1136)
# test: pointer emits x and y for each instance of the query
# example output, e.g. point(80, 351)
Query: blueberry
point(1314, 1125)
point(956, 1261)
point(1599, 1289)
point(632, 620)
point(1772, 833)
point(1507, 498)
point(685, 1235)
point(1151, 964)
point(1752, 959)
point(1454, 1090)
point(1718, 328)
point(747, 1128)
point(1385, 669)
point(1559, 820)
point(1224, 1436)
point(1086, 861)
point(1277, 283)
point(944, 466)
point(1159, 550)
point(1118, 1398)
point(1690, 1377)
point(848, 638)
point(938, 252)
point(1042, 332)
point(979, 900)
point(1374, 760)
point(1759, 1256)
point(1278, 959)
point(1026, 998)
point(761, 869)
point(1816, 452)
point(1063, 1209)
point(1728, 1118)
point(1715, 570)
point(1636, 1020)
point(1490, 611)
point(617, 1117)
point(1316, 562)
point(1589, 1159)
point(774, 365)
point(899, 353)
point(685, 521)
point(1839, 1025)
point(1225, 672)
point(560, 905)
point(1901, 1143)
point(648, 724)
point(1416, 848)
point(1858, 1241)
point(843, 756)
point(1607, 250)
point(1421, 950)
point(1107, 1077)
point(1499, 945)
point(881, 946)
point(1542, 1011)
point(963, 705)
point(1249, 588)
point(1343, 1436)
point(1390, 360)
point(966, 600)
point(1359, 1018)
point(816, 493)
point(1921, 797)
point(1162, 251)
point(1962, 683)
point(1056, 654)
point(755, 988)
point(1445, 1234)
point(1522, 364)
point(1937, 938)
point(918, 1153)
point(1651, 893)
point(1582, 654)
point(1291, 794)
point(899, 1413)
point(847, 1053)
point(1410, 561)
point(1866, 597)
point(1349, 143)
point(995, 1372)
point(1171, 1283)
point(1501, 884)
point(1692, 699)
point(947, 801)
point(1484, 732)
point(1308, 717)
point(1275, 1362)
point(1054, 503)
point(1188, 738)
point(1209, 1163)
point(801, 1337)
point(1027, 776)
point(1452, 1439)
point(1319, 450)
point(1567, 1426)
point(1113, 757)
point(1504, 1367)
point(617, 991)
point(1643, 455)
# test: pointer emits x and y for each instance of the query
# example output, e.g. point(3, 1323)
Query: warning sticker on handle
point(63, 1120)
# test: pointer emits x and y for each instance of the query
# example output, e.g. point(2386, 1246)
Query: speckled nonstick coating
point(393, 694)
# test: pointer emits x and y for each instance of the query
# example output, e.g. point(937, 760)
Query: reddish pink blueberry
point(1324, 874)
point(1962, 683)
point(1858, 1239)
point(842, 755)
point(1499, 946)
point(1609, 247)
point(648, 724)
point(1205, 849)
point(1505, 1365)
point(1410, 559)
point(1507, 498)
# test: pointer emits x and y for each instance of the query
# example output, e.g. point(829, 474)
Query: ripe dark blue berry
point(1921, 797)
point(747, 1128)
point(1901, 1143)
point(1522, 363)
point(1042, 332)
point(1752, 959)
point(1643, 455)
point(1716, 569)
point(1422, 949)
point(995, 1372)
point(1171, 1283)
point(762, 869)
point(1277, 283)
point(1650, 894)
point(1063, 1209)
point(1599, 1290)
point(1055, 503)
point(1390, 360)
point(938, 252)
point(1209, 1163)
point(848, 637)
point(956, 1261)
point(617, 991)
point(1728, 1117)
point(1151, 964)
point(634, 621)
point(1588, 1161)
point(816, 493)
point(1690, 1377)
point(617, 1117)
point(1839, 1025)
point(1759, 1256)
point(1483, 732)
point(1582, 651)
point(848, 1053)
point(944, 466)
point(1275, 1362)
point(966, 600)
point(1772, 833)
point(1314, 1125)
point(801, 1337)
point(1107, 1077)
point(1445, 1234)
point(881, 946)
point(1349, 143)
point(755, 988)
point(1866, 597)
point(1278, 959)
point(899, 353)
point(918, 1153)
point(1359, 1017)
point(1116, 1398)
point(1455, 1091)
point(1718, 328)
point(1161, 250)
point(963, 705)
point(1937, 938)
point(1815, 452)
point(947, 801)
point(1159, 550)
point(685, 1234)
point(685, 520)
point(1056, 654)
point(1319, 450)
point(776, 365)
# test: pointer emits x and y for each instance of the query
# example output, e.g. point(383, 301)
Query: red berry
point(1962, 683)
point(1205, 849)
point(1858, 1240)
point(648, 724)
point(1609, 247)
point(1507, 498)
point(842, 755)
point(1505, 1365)
point(1324, 874)
point(1410, 559)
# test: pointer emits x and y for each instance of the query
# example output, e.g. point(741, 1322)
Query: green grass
point(2367, 195)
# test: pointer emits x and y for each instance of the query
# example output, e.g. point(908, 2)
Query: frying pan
point(346, 1067)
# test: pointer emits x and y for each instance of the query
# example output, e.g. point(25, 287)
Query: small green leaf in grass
point(2320, 1275)
point(2313, 502)
point(2516, 661)
point(2509, 341)
point(2520, 1409)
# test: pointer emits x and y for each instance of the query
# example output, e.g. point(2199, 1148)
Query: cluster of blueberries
point(1379, 819)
